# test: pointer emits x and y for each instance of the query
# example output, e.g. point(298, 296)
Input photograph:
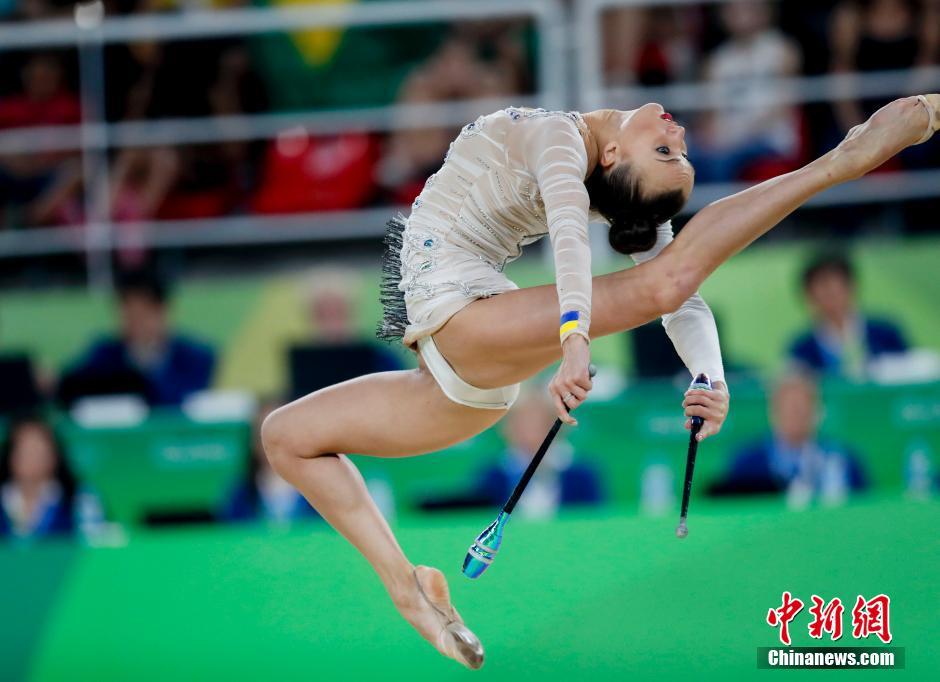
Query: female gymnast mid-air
point(509, 179)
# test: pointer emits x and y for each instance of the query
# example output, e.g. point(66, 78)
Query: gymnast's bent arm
point(694, 335)
point(555, 155)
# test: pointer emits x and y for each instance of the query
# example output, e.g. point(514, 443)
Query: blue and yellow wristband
point(569, 323)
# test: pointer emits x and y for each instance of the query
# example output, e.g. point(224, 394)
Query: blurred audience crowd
point(293, 172)
point(734, 48)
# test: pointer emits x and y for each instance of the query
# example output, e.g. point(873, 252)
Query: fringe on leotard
point(394, 320)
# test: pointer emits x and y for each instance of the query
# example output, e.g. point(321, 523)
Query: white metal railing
point(200, 130)
point(567, 41)
point(189, 24)
point(228, 231)
point(683, 97)
point(689, 97)
point(370, 223)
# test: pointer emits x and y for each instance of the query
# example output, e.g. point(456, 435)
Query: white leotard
point(509, 179)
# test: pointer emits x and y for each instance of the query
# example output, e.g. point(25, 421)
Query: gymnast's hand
point(712, 406)
point(571, 383)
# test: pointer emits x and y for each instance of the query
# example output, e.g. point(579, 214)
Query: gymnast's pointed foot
point(896, 126)
point(932, 104)
point(429, 610)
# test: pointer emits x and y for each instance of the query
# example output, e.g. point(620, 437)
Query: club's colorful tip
point(484, 548)
point(472, 567)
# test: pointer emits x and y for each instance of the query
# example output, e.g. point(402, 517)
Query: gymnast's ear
point(609, 156)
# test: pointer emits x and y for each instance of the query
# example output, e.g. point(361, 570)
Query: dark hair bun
point(633, 216)
point(627, 238)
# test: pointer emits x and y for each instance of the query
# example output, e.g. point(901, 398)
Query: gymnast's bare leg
point(508, 338)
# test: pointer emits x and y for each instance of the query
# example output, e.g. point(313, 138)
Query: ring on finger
point(565, 397)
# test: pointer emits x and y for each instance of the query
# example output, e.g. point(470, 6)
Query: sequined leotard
point(509, 179)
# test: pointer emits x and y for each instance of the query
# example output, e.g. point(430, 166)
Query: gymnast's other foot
point(896, 126)
point(430, 612)
point(932, 104)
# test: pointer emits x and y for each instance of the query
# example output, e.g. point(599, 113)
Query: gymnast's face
point(654, 146)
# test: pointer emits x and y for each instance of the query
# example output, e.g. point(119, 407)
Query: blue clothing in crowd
point(56, 517)
point(578, 483)
point(185, 367)
point(814, 351)
point(771, 465)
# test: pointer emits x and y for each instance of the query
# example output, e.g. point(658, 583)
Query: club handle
point(592, 372)
point(536, 460)
point(703, 383)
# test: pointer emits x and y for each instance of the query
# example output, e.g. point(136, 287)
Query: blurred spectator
point(621, 40)
point(262, 494)
point(331, 297)
point(45, 98)
point(138, 88)
point(842, 341)
point(193, 79)
point(562, 478)
point(501, 47)
point(38, 492)
point(39, 188)
point(305, 174)
point(338, 350)
point(757, 126)
point(140, 181)
point(148, 358)
point(454, 72)
point(215, 179)
point(650, 46)
point(31, 10)
point(873, 35)
point(809, 25)
point(794, 457)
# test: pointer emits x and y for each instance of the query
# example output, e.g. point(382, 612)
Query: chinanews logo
point(870, 621)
